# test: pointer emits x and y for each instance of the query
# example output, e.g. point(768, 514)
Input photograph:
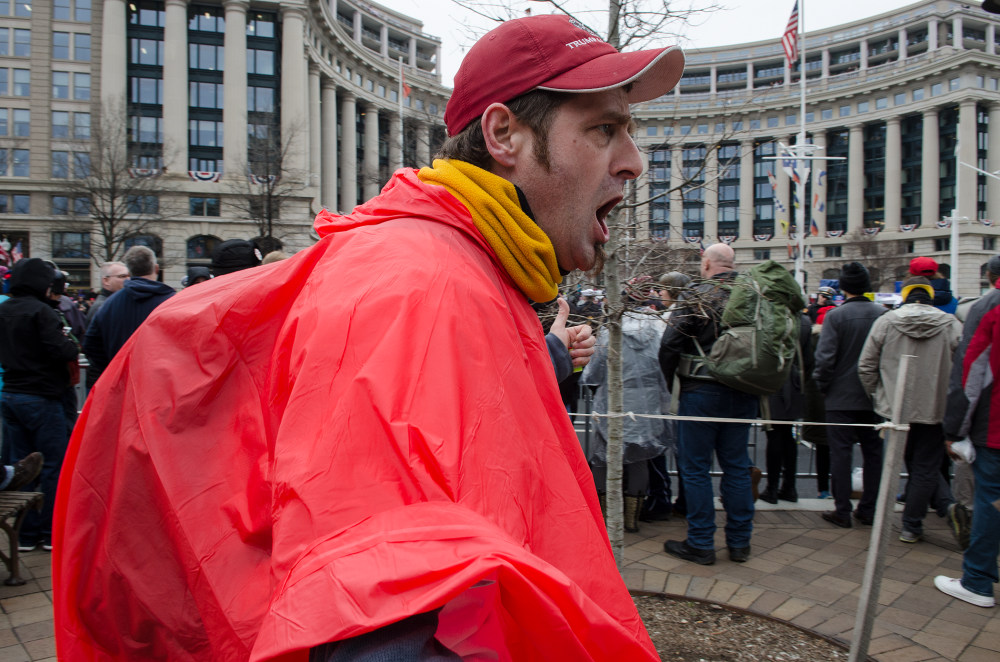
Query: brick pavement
point(808, 572)
point(802, 570)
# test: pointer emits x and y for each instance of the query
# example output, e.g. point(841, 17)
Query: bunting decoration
point(138, 173)
point(944, 223)
point(693, 239)
point(834, 233)
point(728, 238)
point(261, 180)
point(871, 231)
point(908, 227)
point(987, 222)
point(204, 176)
point(762, 237)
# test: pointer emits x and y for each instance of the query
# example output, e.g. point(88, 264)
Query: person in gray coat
point(930, 335)
point(845, 330)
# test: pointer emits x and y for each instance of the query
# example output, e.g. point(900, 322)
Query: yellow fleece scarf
point(525, 252)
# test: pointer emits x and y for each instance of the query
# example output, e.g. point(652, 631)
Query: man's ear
point(503, 134)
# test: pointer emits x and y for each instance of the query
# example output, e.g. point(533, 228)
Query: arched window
point(200, 247)
point(150, 241)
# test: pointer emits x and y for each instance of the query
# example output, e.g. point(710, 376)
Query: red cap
point(923, 266)
point(553, 52)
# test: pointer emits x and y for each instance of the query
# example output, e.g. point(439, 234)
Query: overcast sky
point(743, 21)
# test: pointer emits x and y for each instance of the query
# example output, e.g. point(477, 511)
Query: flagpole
point(399, 96)
point(800, 215)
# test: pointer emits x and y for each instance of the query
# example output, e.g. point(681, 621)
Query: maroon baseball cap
point(923, 266)
point(553, 52)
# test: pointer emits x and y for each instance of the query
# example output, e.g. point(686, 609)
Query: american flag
point(790, 40)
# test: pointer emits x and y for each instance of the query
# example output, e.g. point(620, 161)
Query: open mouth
point(602, 214)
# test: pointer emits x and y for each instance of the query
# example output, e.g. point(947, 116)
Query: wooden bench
point(14, 506)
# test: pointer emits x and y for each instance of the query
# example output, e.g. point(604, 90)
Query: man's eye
point(606, 129)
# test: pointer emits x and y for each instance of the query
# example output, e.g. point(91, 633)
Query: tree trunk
point(614, 495)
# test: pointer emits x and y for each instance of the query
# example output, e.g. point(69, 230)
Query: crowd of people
point(838, 392)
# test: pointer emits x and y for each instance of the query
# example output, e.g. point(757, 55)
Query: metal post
point(874, 566)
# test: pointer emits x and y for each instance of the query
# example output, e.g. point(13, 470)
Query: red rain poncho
point(307, 451)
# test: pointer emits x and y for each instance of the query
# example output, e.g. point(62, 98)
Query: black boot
point(787, 491)
point(770, 495)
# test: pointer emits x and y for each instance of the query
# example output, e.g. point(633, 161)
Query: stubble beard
point(600, 256)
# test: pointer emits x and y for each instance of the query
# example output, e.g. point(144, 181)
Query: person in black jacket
point(845, 330)
point(35, 352)
point(126, 309)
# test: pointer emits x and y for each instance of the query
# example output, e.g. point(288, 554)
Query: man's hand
point(579, 340)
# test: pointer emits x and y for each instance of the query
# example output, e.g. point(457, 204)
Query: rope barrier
point(886, 425)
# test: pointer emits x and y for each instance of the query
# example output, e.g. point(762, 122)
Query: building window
point(936, 89)
point(60, 45)
point(754, 125)
point(261, 62)
point(146, 51)
point(826, 114)
point(4, 41)
point(81, 165)
point(989, 243)
point(142, 204)
point(899, 99)
point(881, 103)
point(260, 25)
point(81, 43)
point(205, 95)
point(60, 165)
point(60, 124)
point(22, 123)
point(909, 247)
point(206, 56)
point(862, 107)
point(845, 111)
point(3, 80)
point(205, 133)
point(772, 122)
point(3, 121)
point(60, 205)
point(833, 251)
point(60, 85)
point(22, 43)
point(22, 82)
point(761, 254)
point(81, 87)
point(260, 99)
point(146, 90)
point(147, 12)
point(82, 13)
point(204, 206)
point(652, 130)
point(791, 120)
point(71, 245)
point(942, 244)
point(21, 163)
point(81, 126)
point(918, 94)
point(953, 84)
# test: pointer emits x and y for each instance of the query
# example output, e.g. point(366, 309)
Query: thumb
point(559, 324)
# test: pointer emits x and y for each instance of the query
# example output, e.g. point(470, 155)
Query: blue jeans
point(34, 423)
point(697, 441)
point(979, 565)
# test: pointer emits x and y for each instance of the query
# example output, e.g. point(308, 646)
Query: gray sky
point(743, 21)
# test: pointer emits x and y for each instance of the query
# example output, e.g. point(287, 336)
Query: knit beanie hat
point(854, 278)
point(234, 255)
point(994, 265)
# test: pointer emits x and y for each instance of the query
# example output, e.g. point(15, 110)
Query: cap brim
point(652, 74)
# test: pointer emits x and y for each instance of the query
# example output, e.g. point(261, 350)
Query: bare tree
point(267, 182)
point(117, 182)
point(885, 258)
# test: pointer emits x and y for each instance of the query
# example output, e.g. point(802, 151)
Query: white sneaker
point(954, 588)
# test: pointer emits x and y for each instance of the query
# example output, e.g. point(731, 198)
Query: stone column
point(957, 40)
point(711, 194)
point(749, 77)
point(372, 181)
point(423, 144)
point(175, 88)
point(329, 155)
point(712, 77)
point(826, 63)
point(357, 28)
point(967, 143)
point(820, 174)
point(991, 38)
point(114, 83)
point(348, 152)
point(893, 174)
point(855, 178)
point(903, 38)
point(314, 142)
point(929, 171)
point(234, 80)
point(294, 118)
point(413, 52)
point(676, 213)
point(395, 141)
point(641, 214)
point(747, 209)
point(932, 34)
point(993, 165)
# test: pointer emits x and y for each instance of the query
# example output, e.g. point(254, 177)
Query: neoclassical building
point(897, 101)
point(219, 99)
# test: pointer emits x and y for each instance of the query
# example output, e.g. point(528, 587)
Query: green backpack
point(759, 336)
